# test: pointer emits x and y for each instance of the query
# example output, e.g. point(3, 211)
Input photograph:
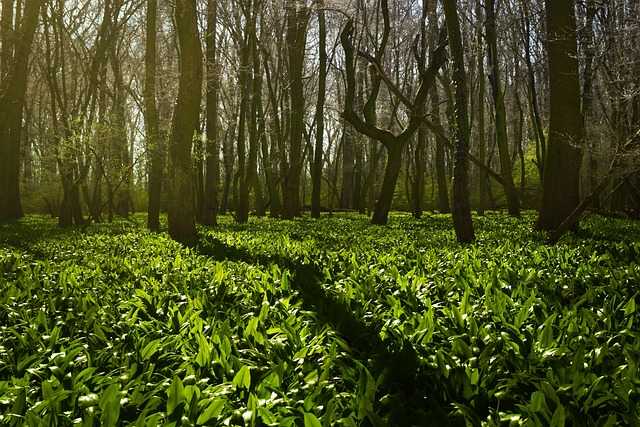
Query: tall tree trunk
point(510, 193)
point(319, 143)
point(391, 173)
point(587, 51)
point(13, 88)
point(184, 124)
point(154, 149)
point(7, 34)
point(560, 191)
point(440, 158)
point(241, 202)
point(461, 210)
point(482, 175)
point(297, 16)
point(394, 143)
point(209, 209)
point(541, 144)
point(348, 149)
point(418, 182)
point(269, 151)
point(123, 160)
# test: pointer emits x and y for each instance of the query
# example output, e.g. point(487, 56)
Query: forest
point(319, 212)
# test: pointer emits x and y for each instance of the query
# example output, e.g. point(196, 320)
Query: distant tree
point(499, 108)
point(13, 86)
point(461, 209)
point(394, 144)
point(561, 178)
point(180, 209)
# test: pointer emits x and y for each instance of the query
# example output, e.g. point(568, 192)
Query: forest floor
point(320, 323)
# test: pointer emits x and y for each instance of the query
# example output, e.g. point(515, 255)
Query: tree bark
point(245, 86)
point(297, 16)
point(461, 209)
point(499, 109)
point(482, 175)
point(184, 124)
point(269, 151)
point(13, 88)
point(394, 143)
point(560, 191)
point(154, 150)
point(319, 143)
point(209, 209)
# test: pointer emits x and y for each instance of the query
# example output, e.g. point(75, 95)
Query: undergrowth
point(320, 323)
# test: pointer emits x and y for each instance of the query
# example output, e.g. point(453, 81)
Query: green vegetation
point(320, 323)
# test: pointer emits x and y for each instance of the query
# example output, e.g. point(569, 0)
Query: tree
point(395, 144)
point(297, 18)
point(482, 176)
point(13, 88)
point(561, 177)
point(322, 85)
point(249, 75)
point(460, 207)
point(154, 149)
point(499, 109)
point(180, 209)
point(209, 209)
point(440, 157)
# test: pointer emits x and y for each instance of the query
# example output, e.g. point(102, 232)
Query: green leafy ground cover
point(320, 323)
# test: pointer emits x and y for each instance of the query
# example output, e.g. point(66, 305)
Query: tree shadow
point(405, 385)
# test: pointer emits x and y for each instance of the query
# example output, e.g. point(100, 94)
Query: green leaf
point(175, 395)
point(310, 420)
point(19, 405)
point(630, 308)
point(558, 417)
point(212, 411)
point(150, 349)
point(242, 378)
point(110, 414)
point(204, 351)
point(111, 394)
point(47, 390)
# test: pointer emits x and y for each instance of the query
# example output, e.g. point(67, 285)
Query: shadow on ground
point(405, 394)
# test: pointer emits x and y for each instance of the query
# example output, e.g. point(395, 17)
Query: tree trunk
point(560, 191)
point(269, 151)
point(346, 194)
point(209, 209)
point(184, 124)
point(440, 158)
point(13, 88)
point(241, 202)
point(319, 143)
point(461, 210)
point(513, 204)
point(541, 145)
point(441, 166)
point(296, 34)
point(391, 173)
point(154, 151)
point(418, 182)
point(482, 175)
